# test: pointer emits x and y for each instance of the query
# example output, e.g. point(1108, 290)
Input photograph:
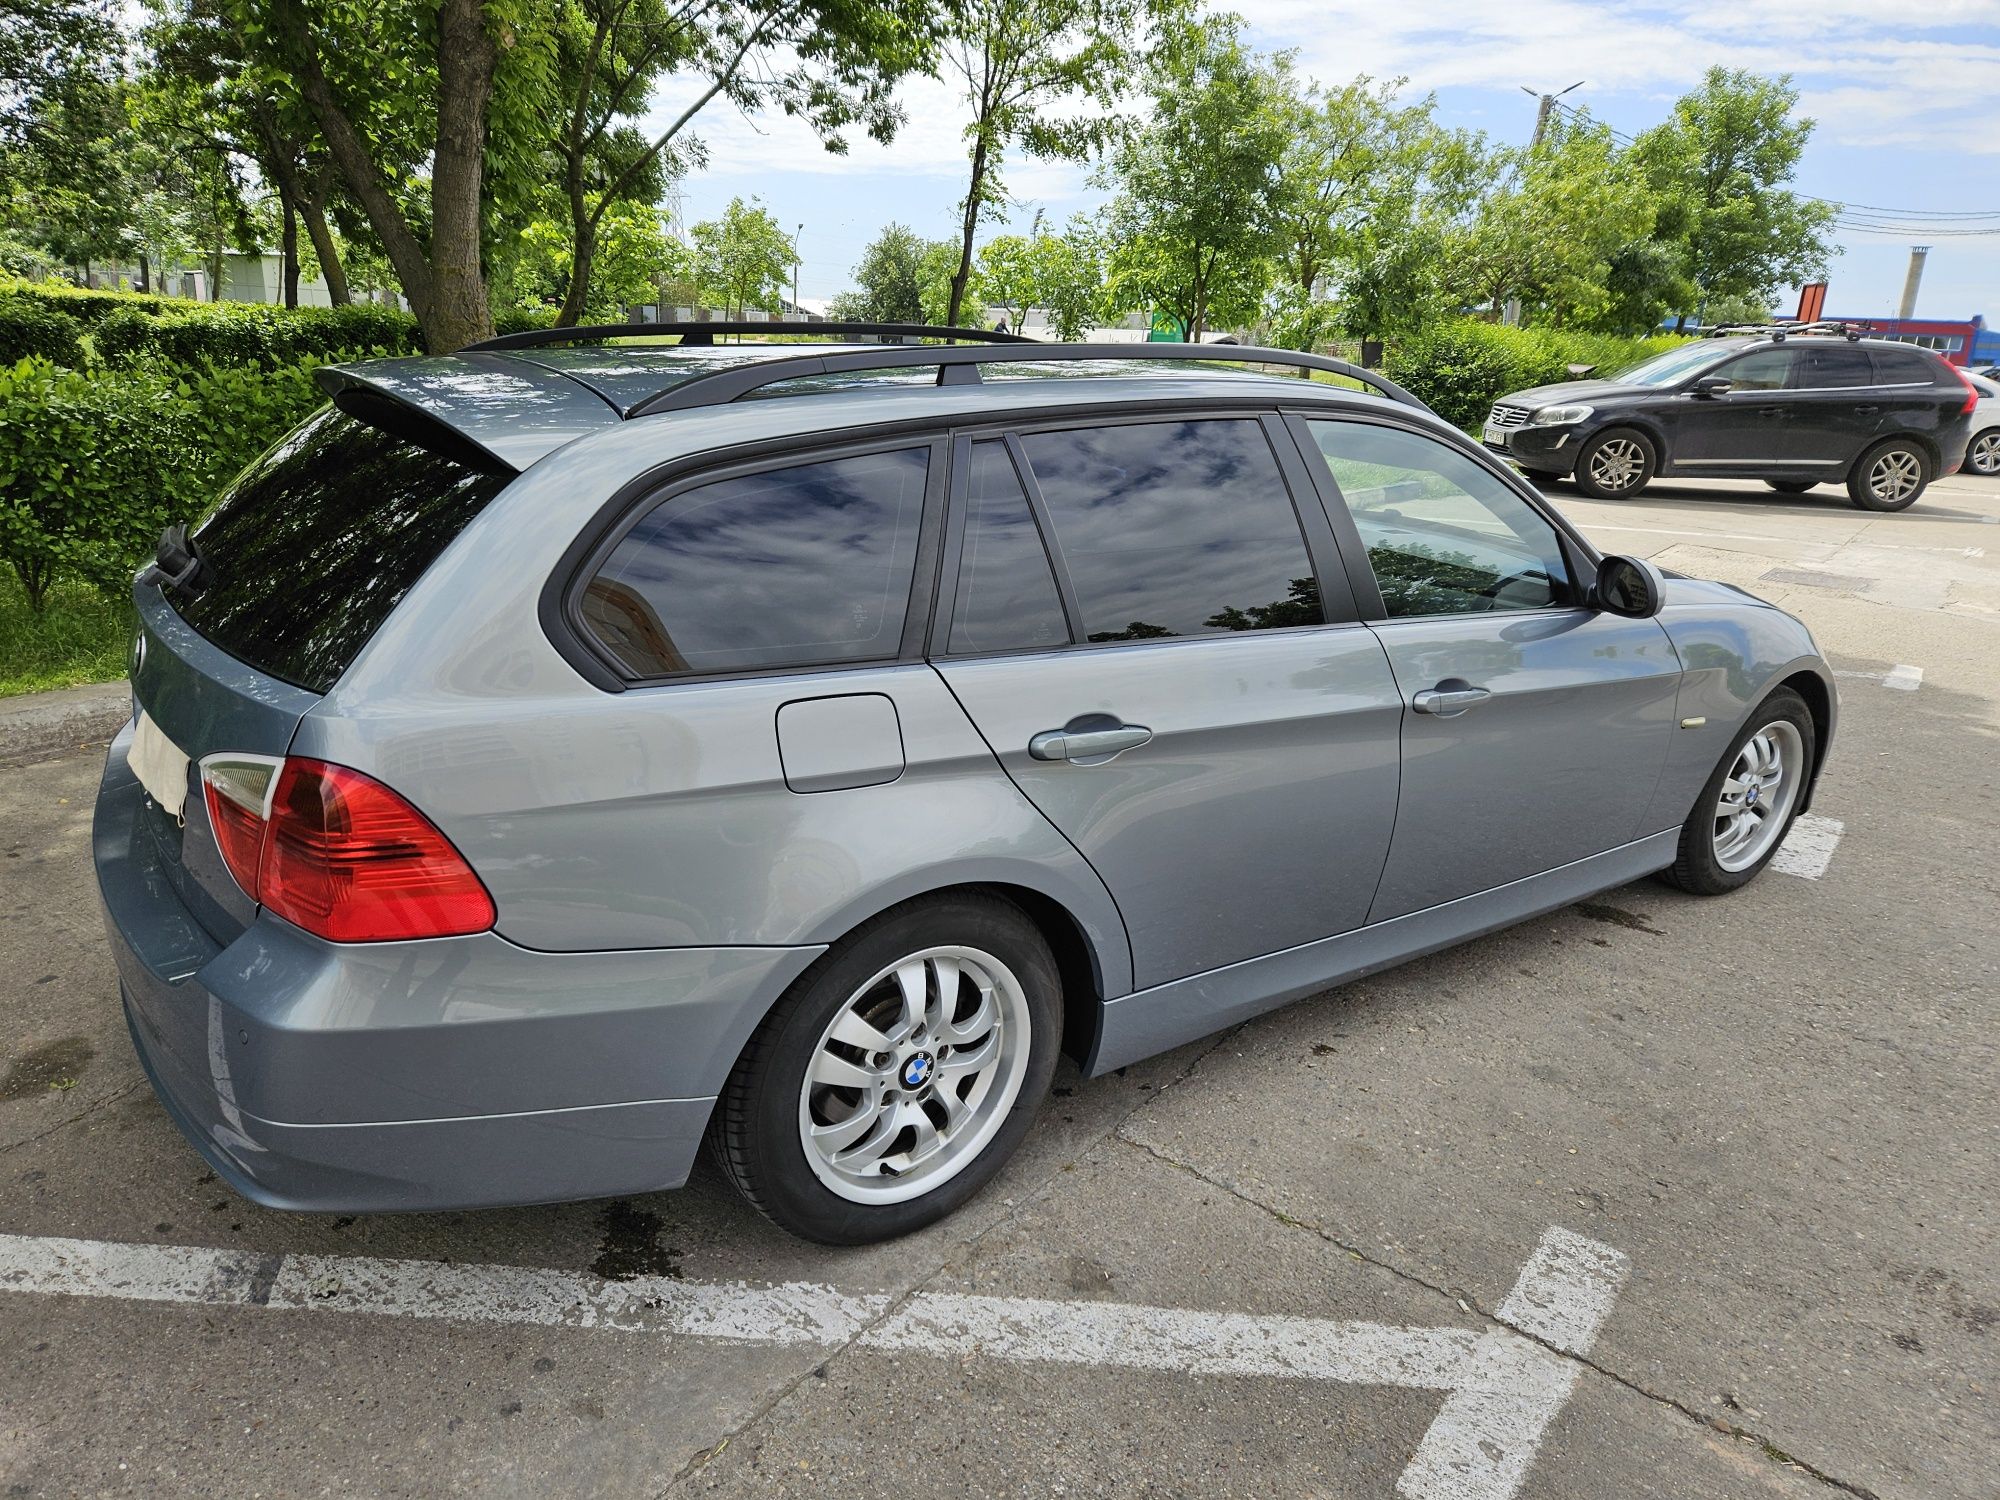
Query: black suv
point(1792, 410)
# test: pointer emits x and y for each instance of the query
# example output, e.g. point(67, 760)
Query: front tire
point(1749, 803)
point(1890, 476)
point(1616, 464)
point(897, 1075)
point(1982, 454)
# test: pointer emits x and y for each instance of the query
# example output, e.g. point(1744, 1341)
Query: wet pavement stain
point(53, 1065)
point(1617, 916)
point(631, 1245)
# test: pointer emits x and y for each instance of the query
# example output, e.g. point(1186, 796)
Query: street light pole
point(796, 309)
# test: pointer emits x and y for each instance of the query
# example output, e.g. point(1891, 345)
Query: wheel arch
point(1819, 701)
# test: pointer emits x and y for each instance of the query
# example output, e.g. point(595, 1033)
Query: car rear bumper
point(447, 1074)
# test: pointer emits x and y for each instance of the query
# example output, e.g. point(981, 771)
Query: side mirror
point(1629, 586)
point(1710, 385)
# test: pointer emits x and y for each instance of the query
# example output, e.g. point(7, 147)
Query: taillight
point(1971, 390)
point(338, 853)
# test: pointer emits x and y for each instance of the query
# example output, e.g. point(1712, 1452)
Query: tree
point(1061, 274)
point(745, 255)
point(1719, 166)
point(1193, 224)
point(1017, 62)
point(896, 271)
point(634, 256)
point(833, 63)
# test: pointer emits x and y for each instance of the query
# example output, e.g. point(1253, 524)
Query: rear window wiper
point(177, 563)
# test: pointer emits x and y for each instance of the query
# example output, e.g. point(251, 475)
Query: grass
point(80, 636)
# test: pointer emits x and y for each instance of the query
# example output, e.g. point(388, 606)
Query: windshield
point(1675, 365)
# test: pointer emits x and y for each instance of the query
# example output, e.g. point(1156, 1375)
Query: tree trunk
point(313, 211)
point(582, 253)
point(1681, 323)
point(145, 273)
point(288, 246)
point(963, 275)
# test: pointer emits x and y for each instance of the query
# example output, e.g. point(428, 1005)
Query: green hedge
point(31, 328)
point(1462, 367)
point(92, 466)
point(252, 334)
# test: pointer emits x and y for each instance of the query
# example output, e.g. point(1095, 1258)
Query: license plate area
point(1496, 435)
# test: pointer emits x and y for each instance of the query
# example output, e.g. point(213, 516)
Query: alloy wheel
point(914, 1075)
point(1757, 795)
point(1617, 464)
point(1984, 457)
point(1895, 475)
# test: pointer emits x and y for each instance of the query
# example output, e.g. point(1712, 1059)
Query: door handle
point(1087, 746)
point(1770, 411)
point(1866, 411)
point(1444, 702)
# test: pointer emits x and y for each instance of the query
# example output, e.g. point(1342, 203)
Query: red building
point(1952, 337)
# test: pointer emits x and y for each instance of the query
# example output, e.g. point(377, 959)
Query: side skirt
point(1154, 1020)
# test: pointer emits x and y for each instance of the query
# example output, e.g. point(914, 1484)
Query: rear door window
point(1836, 368)
point(1175, 528)
point(312, 547)
point(807, 565)
point(1007, 598)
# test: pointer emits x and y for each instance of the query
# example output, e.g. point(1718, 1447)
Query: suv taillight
point(338, 853)
point(1971, 390)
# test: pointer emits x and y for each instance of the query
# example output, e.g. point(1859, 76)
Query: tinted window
point(1443, 535)
point(1763, 370)
point(1007, 597)
point(1903, 367)
point(1832, 367)
point(1175, 528)
point(315, 543)
point(790, 567)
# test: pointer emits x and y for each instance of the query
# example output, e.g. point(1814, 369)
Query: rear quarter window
point(305, 555)
point(1905, 367)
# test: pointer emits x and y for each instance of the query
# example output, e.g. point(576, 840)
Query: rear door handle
point(1087, 746)
point(1444, 702)
point(1770, 411)
point(1866, 411)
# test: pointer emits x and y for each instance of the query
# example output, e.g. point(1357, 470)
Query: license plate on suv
point(1495, 435)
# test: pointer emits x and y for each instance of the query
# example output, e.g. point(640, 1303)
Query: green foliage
point(124, 328)
point(633, 255)
point(29, 326)
point(1193, 225)
point(78, 635)
point(1062, 274)
point(898, 280)
point(1461, 367)
point(745, 257)
point(92, 466)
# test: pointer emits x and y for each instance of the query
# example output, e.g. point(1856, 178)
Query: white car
point(1982, 454)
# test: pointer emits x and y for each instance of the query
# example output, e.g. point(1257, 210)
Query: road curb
point(42, 726)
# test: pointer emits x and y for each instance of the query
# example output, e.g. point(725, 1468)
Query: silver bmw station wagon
point(553, 756)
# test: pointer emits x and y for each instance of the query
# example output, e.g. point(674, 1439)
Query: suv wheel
point(897, 1075)
point(1982, 455)
point(1615, 465)
point(1890, 476)
point(1747, 808)
point(1792, 486)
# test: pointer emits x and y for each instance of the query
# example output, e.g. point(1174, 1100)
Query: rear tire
point(866, 1107)
point(1616, 464)
point(1750, 802)
point(1792, 486)
point(1982, 454)
point(1890, 476)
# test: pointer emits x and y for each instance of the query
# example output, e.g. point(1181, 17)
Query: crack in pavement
point(1466, 1300)
point(1112, 1134)
point(83, 1114)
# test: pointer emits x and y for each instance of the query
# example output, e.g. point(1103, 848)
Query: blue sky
point(1906, 93)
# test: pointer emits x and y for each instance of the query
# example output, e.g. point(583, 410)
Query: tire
point(1982, 454)
point(1792, 486)
point(1890, 476)
point(1616, 464)
point(1003, 980)
point(1710, 860)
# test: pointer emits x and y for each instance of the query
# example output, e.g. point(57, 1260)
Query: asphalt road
point(1753, 1139)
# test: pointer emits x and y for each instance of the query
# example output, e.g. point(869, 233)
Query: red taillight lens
point(341, 855)
point(1971, 391)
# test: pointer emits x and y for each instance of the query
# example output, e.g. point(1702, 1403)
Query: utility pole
point(1918, 253)
point(1510, 312)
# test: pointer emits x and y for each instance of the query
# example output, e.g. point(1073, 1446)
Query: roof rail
point(1852, 332)
point(694, 335)
point(961, 367)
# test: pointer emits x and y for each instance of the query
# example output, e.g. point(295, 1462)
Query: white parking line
point(1902, 677)
point(1808, 848)
point(1503, 1388)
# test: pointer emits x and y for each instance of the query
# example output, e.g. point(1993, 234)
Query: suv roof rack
point(697, 335)
point(961, 367)
point(1780, 331)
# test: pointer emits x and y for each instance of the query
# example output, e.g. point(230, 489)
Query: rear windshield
point(306, 554)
